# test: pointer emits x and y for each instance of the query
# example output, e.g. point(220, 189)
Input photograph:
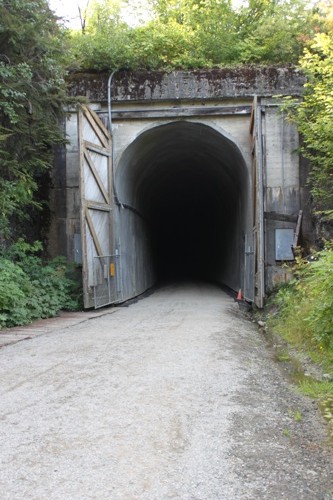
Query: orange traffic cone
point(239, 295)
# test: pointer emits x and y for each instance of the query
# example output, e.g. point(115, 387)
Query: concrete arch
point(189, 187)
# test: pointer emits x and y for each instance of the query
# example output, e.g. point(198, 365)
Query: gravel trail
point(176, 396)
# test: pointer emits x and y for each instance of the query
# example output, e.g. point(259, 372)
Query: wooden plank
point(97, 126)
point(96, 176)
point(137, 114)
point(85, 267)
point(93, 233)
point(280, 217)
point(97, 149)
point(252, 118)
point(96, 205)
point(298, 229)
point(257, 130)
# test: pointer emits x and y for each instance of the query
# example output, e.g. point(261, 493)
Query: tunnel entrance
point(183, 189)
point(190, 223)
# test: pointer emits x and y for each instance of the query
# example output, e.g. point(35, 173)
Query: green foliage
point(295, 414)
point(315, 388)
point(106, 40)
point(211, 25)
point(314, 115)
point(275, 32)
point(32, 95)
point(30, 289)
point(158, 47)
point(305, 305)
point(186, 34)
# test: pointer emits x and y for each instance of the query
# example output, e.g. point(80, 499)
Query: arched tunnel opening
point(183, 187)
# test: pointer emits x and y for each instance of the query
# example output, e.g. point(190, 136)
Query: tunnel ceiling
point(180, 159)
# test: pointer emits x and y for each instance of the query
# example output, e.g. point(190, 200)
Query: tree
point(214, 23)
point(184, 34)
point(314, 114)
point(32, 97)
point(105, 42)
point(314, 117)
point(275, 31)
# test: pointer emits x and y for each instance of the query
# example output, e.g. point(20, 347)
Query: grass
point(301, 313)
point(296, 337)
point(296, 415)
point(316, 389)
point(283, 356)
point(286, 433)
point(319, 390)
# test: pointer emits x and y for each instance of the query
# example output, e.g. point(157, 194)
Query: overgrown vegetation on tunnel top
point(188, 34)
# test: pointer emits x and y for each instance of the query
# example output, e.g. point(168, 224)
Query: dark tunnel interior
point(189, 222)
point(188, 182)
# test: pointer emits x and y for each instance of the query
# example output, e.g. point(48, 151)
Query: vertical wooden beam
point(260, 204)
point(298, 230)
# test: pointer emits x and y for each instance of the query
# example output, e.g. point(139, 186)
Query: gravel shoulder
point(175, 396)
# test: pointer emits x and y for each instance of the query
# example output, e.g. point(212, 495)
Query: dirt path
point(173, 397)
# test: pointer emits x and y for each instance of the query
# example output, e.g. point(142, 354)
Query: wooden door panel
point(95, 146)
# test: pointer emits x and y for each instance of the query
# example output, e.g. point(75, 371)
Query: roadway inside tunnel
point(188, 183)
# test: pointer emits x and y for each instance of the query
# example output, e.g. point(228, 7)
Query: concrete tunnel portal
point(188, 185)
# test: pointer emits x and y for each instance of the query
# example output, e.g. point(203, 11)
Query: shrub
point(31, 289)
point(305, 305)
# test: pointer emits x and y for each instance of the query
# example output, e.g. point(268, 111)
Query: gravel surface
point(175, 396)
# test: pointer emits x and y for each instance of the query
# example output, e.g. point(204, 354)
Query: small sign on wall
point(284, 239)
point(112, 270)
